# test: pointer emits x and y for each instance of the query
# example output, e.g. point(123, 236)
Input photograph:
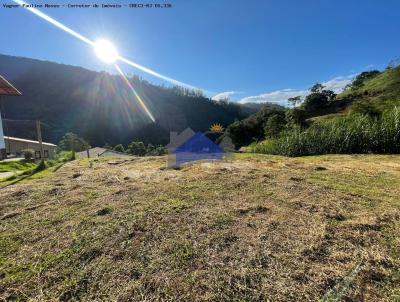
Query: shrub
point(251, 129)
point(65, 156)
point(119, 148)
point(137, 148)
point(160, 150)
point(72, 142)
point(40, 167)
point(296, 116)
point(274, 125)
point(352, 134)
point(28, 153)
point(364, 108)
point(362, 77)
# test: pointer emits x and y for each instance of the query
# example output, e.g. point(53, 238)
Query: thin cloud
point(276, 97)
point(224, 95)
point(339, 83)
point(280, 97)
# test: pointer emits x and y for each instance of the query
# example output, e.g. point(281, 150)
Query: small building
point(101, 152)
point(15, 146)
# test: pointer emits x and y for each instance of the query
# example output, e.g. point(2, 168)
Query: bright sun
point(105, 51)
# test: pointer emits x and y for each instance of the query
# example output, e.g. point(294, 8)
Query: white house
point(16, 146)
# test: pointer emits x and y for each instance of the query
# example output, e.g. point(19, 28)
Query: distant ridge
point(99, 107)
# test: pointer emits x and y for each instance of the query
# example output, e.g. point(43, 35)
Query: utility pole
point(3, 147)
point(39, 136)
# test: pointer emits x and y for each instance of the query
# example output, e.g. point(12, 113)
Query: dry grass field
point(255, 228)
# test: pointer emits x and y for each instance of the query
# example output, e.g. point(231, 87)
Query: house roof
point(178, 140)
point(6, 88)
point(98, 151)
point(27, 141)
point(93, 152)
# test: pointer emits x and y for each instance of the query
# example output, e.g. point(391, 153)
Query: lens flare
point(52, 21)
point(141, 102)
point(105, 51)
point(88, 41)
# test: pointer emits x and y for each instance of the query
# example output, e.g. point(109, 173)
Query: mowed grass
point(253, 228)
point(16, 166)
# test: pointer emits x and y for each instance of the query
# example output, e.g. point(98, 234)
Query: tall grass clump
point(351, 134)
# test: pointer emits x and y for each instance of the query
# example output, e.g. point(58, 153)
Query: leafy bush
point(296, 116)
point(73, 156)
point(40, 167)
point(362, 77)
point(352, 134)
point(64, 156)
point(137, 148)
point(274, 125)
point(364, 108)
point(28, 153)
point(119, 148)
point(160, 150)
point(251, 129)
point(140, 149)
point(72, 142)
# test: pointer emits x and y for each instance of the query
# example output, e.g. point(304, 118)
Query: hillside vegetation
point(381, 91)
point(100, 107)
point(365, 118)
point(281, 229)
point(340, 135)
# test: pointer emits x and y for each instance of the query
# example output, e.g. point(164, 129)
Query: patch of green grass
point(17, 271)
point(178, 205)
point(223, 220)
point(16, 166)
point(91, 195)
point(42, 174)
point(326, 117)
point(8, 245)
point(42, 170)
point(182, 252)
point(376, 186)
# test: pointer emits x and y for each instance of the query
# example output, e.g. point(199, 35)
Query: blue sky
point(257, 50)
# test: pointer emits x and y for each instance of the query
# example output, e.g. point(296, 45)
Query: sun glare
point(105, 51)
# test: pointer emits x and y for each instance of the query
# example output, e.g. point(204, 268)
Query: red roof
point(7, 89)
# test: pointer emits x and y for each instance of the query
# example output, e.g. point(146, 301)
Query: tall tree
point(316, 88)
point(72, 142)
point(294, 100)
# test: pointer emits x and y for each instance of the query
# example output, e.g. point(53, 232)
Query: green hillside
point(100, 107)
point(381, 91)
point(364, 118)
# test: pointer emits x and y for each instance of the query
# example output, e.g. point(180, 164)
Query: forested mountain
point(100, 107)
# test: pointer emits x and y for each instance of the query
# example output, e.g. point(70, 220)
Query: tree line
point(72, 142)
